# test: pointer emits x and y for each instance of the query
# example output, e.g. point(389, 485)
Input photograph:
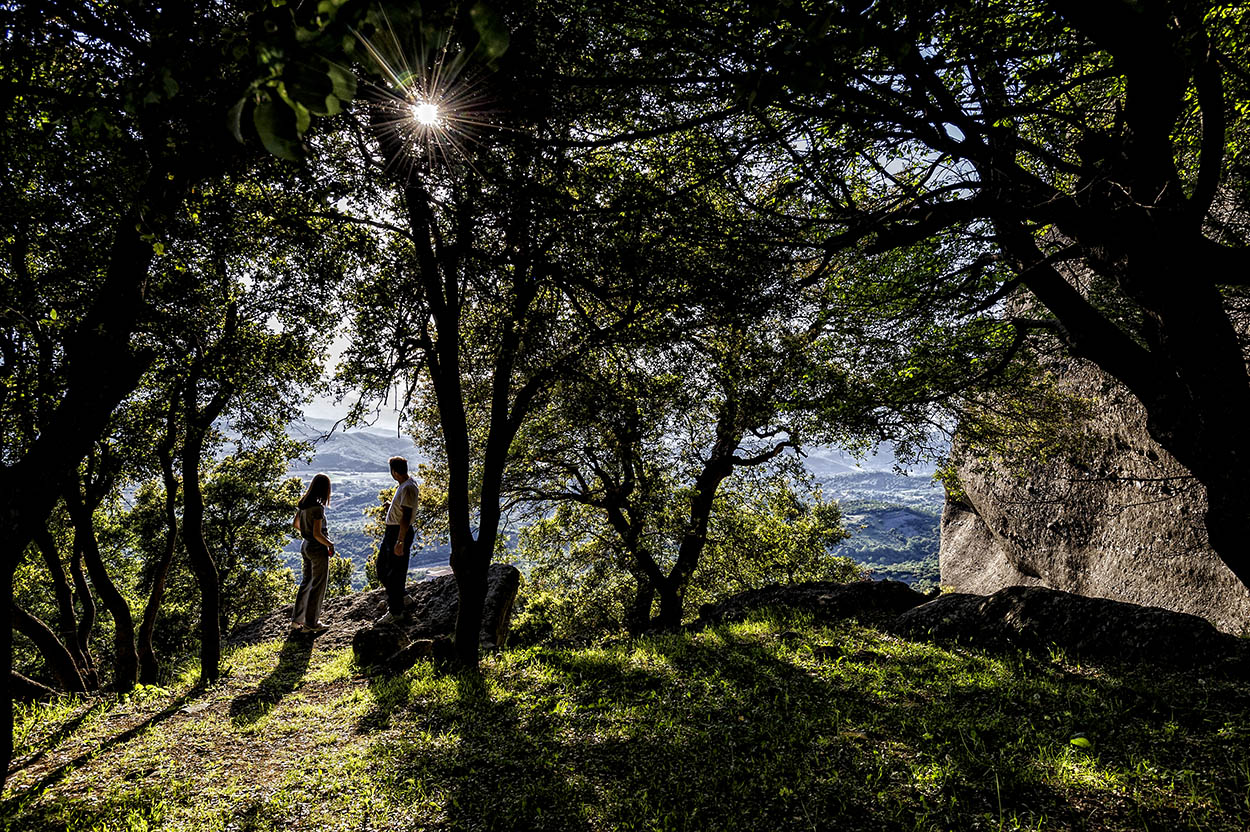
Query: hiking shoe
point(316, 628)
point(387, 619)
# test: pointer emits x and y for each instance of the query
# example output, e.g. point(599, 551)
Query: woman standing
point(310, 522)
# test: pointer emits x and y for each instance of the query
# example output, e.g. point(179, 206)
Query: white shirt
point(405, 495)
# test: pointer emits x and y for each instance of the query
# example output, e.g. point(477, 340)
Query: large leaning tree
point(1097, 152)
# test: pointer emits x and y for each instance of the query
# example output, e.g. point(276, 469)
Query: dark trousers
point(393, 568)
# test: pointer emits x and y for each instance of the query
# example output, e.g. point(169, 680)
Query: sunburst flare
point(432, 102)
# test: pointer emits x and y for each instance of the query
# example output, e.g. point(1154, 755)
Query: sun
point(430, 105)
point(425, 112)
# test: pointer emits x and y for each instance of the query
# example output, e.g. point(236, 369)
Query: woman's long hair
point(318, 492)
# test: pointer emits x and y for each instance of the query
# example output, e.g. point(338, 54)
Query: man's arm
point(405, 520)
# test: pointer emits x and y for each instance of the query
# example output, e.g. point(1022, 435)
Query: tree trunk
point(60, 662)
point(126, 659)
point(100, 371)
point(471, 583)
point(638, 616)
point(149, 664)
point(82, 591)
point(7, 567)
point(672, 600)
point(202, 563)
point(64, 600)
point(673, 588)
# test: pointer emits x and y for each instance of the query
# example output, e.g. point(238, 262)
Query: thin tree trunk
point(86, 623)
point(673, 588)
point(126, 659)
point(198, 422)
point(7, 567)
point(149, 664)
point(64, 599)
point(60, 662)
point(202, 563)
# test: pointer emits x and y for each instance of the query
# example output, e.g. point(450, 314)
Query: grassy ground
point(771, 724)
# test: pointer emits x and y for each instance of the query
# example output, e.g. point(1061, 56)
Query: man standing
point(397, 542)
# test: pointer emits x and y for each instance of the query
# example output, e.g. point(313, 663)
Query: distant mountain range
point(893, 518)
point(356, 450)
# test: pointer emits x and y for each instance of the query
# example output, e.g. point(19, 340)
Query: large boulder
point(1038, 619)
point(868, 601)
point(1111, 516)
point(433, 606)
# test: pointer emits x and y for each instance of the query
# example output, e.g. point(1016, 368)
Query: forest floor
point(772, 724)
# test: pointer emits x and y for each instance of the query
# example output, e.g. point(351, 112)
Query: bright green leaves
point(1082, 742)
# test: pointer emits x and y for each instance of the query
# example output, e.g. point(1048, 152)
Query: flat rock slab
point(1037, 619)
point(868, 601)
point(432, 606)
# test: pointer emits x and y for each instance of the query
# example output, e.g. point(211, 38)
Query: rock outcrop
point(1036, 619)
point(1114, 517)
point(431, 622)
point(867, 601)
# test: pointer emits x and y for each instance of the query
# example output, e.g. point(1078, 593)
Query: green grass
point(771, 724)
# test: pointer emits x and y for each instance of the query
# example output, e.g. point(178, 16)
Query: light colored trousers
point(312, 589)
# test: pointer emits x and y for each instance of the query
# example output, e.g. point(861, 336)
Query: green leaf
point(275, 123)
point(344, 82)
point(308, 85)
point(303, 118)
point(1082, 742)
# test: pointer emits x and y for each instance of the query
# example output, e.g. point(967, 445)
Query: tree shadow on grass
point(57, 737)
point(390, 694)
point(20, 800)
point(476, 763)
point(728, 732)
point(293, 661)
